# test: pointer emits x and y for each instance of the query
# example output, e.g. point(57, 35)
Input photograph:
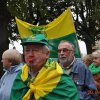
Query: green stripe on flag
point(54, 45)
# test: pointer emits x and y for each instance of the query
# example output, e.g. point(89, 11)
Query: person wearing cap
point(41, 78)
point(11, 60)
point(95, 70)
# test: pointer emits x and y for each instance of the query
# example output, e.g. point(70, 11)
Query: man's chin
point(63, 61)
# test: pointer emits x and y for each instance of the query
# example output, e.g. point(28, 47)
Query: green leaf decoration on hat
point(30, 33)
point(37, 30)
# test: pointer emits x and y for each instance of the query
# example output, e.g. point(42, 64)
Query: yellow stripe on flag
point(61, 26)
point(23, 28)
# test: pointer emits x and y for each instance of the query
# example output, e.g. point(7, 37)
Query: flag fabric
point(51, 83)
point(61, 28)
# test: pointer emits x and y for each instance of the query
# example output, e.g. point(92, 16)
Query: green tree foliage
point(4, 34)
point(37, 11)
point(87, 21)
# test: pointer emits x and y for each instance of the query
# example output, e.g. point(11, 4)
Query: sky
point(17, 45)
point(82, 47)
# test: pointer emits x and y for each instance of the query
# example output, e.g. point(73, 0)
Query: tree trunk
point(4, 19)
point(88, 46)
point(4, 42)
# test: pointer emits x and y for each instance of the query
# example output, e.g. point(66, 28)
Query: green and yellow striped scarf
point(50, 84)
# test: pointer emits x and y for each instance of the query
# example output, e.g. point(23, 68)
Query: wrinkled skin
point(65, 53)
point(35, 57)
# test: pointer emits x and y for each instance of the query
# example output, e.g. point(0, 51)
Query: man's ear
point(48, 53)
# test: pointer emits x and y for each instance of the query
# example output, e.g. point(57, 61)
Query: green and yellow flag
point(61, 28)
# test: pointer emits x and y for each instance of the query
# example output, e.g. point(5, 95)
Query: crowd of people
point(38, 77)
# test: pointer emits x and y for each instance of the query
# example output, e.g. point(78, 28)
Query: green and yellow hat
point(30, 33)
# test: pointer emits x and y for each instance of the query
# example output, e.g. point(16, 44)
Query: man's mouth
point(62, 57)
point(30, 60)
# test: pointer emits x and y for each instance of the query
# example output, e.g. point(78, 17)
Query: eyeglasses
point(64, 50)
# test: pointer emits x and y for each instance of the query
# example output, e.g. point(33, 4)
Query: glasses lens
point(64, 50)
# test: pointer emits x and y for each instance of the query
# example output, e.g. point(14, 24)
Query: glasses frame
point(64, 50)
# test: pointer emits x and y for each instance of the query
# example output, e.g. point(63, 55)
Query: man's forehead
point(64, 44)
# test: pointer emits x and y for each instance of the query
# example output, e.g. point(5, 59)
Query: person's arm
point(97, 85)
point(97, 80)
point(89, 81)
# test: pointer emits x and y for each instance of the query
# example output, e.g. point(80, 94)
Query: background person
point(88, 59)
point(95, 69)
point(41, 78)
point(76, 69)
point(11, 60)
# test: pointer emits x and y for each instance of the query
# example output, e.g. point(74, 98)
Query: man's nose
point(61, 52)
point(31, 52)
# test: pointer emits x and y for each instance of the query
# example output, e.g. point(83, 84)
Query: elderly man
point(77, 70)
point(41, 78)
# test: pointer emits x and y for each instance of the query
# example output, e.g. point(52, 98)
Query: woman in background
point(11, 60)
point(95, 69)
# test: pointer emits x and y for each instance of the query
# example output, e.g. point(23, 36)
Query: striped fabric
point(51, 83)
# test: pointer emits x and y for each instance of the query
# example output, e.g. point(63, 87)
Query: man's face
point(65, 53)
point(34, 55)
point(96, 61)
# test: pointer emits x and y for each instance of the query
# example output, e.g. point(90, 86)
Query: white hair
point(96, 53)
point(13, 56)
